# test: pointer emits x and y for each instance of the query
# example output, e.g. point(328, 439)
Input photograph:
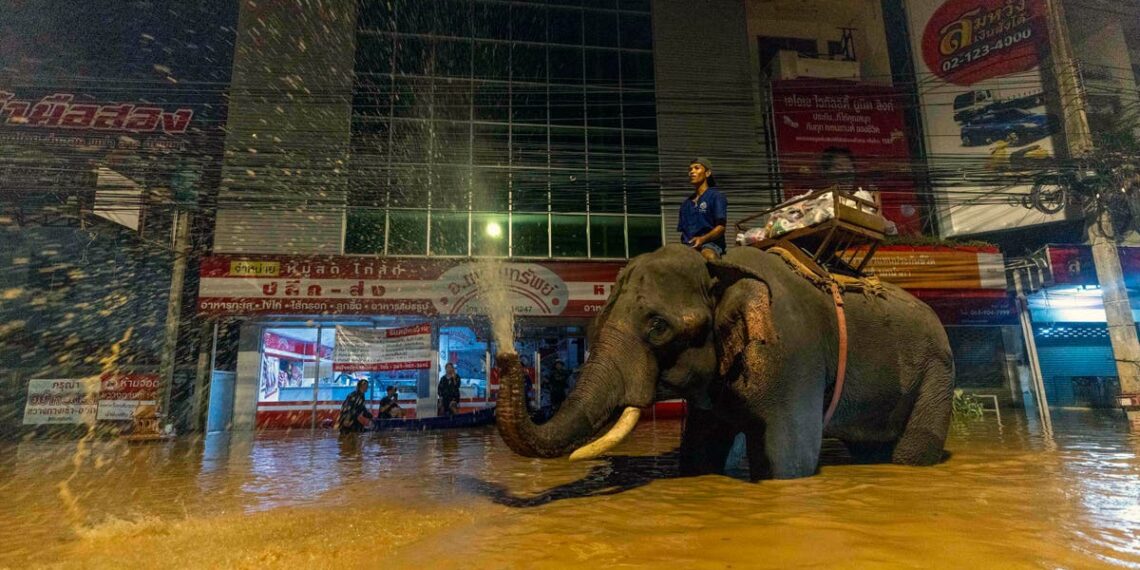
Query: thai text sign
point(920, 267)
point(382, 350)
point(362, 285)
point(121, 394)
point(62, 401)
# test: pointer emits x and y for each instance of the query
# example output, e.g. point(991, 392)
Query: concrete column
point(1117, 309)
point(248, 375)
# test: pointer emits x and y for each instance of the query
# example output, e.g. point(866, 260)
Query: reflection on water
point(1008, 498)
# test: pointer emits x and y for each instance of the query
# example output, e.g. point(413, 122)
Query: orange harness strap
point(841, 369)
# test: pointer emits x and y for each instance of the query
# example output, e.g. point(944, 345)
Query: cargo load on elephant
point(828, 231)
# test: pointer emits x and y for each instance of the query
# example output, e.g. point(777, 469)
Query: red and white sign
point(382, 350)
point(121, 394)
point(983, 104)
point(360, 285)
point(61, 401)
point(819, 123)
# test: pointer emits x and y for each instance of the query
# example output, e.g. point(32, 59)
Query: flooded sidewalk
point(1008, 498)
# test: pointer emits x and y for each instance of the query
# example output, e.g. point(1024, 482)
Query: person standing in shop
point(449, 391)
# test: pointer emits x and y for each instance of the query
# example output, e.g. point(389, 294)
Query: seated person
point(390, 405)
point(353, 409)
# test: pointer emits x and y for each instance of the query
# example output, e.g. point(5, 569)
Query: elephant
point(753, 347)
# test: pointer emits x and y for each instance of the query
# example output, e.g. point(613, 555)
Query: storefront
point(304, 314)
point(1070, 329)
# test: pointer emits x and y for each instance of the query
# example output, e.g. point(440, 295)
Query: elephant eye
point(658, 325)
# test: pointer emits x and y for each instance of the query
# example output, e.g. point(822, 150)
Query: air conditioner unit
point(789, 64)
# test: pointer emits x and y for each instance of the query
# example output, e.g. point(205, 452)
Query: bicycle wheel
point(1049, 194)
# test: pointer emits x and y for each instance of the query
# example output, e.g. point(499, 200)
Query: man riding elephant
point(755, 348)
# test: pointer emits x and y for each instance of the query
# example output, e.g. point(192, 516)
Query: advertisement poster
point(62, 401)
point(983, 107)
point(382, 350)
point(838, 132)
point(121, 394)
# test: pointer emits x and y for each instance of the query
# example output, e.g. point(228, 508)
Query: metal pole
point(317, 378)
point(1117, 308)
point(1039, 396)
point(181, 231)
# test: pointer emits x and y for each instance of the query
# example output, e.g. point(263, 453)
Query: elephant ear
point(743, 312)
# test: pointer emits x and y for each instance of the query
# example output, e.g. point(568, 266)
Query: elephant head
point(664, 329)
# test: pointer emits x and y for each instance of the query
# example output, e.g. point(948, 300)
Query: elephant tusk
point(620, 431)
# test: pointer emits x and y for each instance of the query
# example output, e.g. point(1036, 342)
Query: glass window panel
point(529, 190)
point(369, 142)
point(636, 70)
point(449, 187)
point(452, 143)
point(565, 65)
point(636, 5)
point(412, 18)
point(601, 28)
point(448, 233)
point(602, 67)
point(372, 96)
point(566, 2)
point(528, 104)
point(603, 109)
point(644, 234)
point(607, 236)
point(606, 194)
point(412, 98)
point(492, 60)
point(490, 190)
point(368, 185)
point(567, 106)
point(528, 146)
point(642, 195)
point(411, 141)
point(407, 232)
point(413, 56)
point(568, 235)
point(409, 188)
point(365, 231)
point(288, 367)
point(636, 31)
point(453, 58)
point(529, 235)
point(376, 16)
point(565, 26)
point(603, 4)
point(528, 63)
point(492, 20)
point(453, 18)
point(528, 23)
point(492, 102)
point(492, 145)
point(639, 110)
point(489, 235)
point(452, 99)
point(605, 149)
point(374, 53)
point(568, 170)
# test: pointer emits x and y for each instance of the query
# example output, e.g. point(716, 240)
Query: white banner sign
point(64, 401)
point(381, 350)
point(121, 394)
point(983, 107)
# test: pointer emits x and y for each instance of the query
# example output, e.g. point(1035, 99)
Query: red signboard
point(1073, 265)
point(967, 41)
point(835, 132)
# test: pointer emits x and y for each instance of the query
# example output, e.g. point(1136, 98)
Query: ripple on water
point(1007, 498)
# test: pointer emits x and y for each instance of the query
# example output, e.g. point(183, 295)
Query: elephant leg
point(923, 438)
point(786, 447)
point(705, 443)
point(870, 452)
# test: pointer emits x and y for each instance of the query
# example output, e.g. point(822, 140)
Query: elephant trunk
point(589, 407)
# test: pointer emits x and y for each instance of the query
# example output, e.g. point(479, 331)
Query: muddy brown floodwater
point(1008, 498)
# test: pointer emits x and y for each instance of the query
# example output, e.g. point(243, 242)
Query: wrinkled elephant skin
point(753, 347)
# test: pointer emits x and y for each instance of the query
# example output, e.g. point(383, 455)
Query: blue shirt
point(700, 217)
